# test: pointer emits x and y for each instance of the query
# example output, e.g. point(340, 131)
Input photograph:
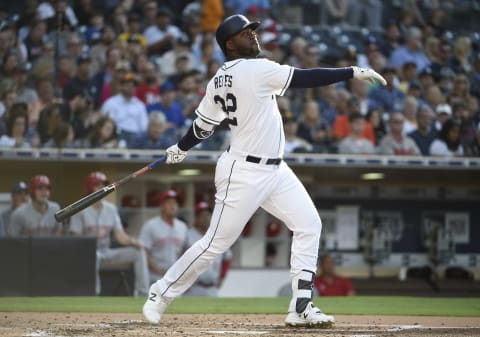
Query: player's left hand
point(368, 74)
point(175, 155)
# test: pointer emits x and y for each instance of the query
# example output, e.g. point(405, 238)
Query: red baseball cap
point(201, 206)
point(167, 195)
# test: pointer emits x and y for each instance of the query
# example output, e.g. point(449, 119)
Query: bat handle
point(157, 162)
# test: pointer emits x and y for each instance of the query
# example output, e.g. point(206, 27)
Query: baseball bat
point(92, 198)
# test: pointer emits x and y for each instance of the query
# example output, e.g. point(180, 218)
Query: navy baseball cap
point(20, 186)
point(83, 58)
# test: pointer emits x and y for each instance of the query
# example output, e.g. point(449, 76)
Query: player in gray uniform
point(19, 196)
point(251, 173)
point(36, 218)
point(101, 220)
point(164, 236)
point(208, 283)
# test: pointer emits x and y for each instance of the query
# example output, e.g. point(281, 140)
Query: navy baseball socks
point(302, 312)
point(155, 305)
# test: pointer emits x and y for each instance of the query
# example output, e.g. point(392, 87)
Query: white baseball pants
point(242, 187)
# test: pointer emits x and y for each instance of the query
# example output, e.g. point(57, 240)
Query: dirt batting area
point(176, 325)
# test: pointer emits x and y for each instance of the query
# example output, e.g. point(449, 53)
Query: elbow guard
point(201, 129)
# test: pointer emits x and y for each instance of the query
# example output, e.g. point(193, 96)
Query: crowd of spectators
point(129, 74)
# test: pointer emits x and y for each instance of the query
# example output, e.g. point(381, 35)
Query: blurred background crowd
point(130, 73)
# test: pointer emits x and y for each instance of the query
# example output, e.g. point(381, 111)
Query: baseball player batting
point(251, 173)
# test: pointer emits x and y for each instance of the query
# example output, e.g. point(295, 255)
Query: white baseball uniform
point(250, 174)
point(207, 283)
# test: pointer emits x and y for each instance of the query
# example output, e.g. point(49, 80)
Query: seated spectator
point(356, 143)
point(313, 129)
point(473, 149)
point(133, 29)
point(328, 283)
point(210, 281)
point(375, 118)
point(148, 90)
point(162, 35)
point(410, 51)
point(127, 111)
point(113, 87)
point(168, 105)
point(448, 143)
point(17, 128)
point(181, 47)
point(328, 102)
point(410, 108)
point(104, 136)
point(444, 113)
point(9, 65)
point(46, 97)
point(293, 143)
point(462, 54)
point(8, 96)
point(81, 80)
point(359, 90)
point(468, 118)
point(187, 95)
point(425, 133)
point(388, 97)
point(391, 38)
point(395, 142)
point(77, 111)
point(65, 71)
point(36, 218)
point(408, 74)
point(19, 196)
point(101, 220)
point(48, 120)
point(62, 137)
point(158, 135)
point(25, 93)
point(341, 126)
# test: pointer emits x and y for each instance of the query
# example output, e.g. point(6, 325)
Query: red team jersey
point(335, 286)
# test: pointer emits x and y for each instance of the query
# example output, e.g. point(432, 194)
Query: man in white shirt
point(161, 36)
point(128, 112)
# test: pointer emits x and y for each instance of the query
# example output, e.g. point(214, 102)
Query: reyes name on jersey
point(243, 91)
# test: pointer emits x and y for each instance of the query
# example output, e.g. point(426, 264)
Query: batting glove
point(175, 155)
point(367, 74)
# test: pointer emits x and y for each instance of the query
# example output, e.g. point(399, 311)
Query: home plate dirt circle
point(179, 325)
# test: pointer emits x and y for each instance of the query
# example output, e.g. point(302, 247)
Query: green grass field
point(357, 305)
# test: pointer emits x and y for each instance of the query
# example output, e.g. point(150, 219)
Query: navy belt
point(269, 161)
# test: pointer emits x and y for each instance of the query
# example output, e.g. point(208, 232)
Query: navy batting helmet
point(231, 26)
